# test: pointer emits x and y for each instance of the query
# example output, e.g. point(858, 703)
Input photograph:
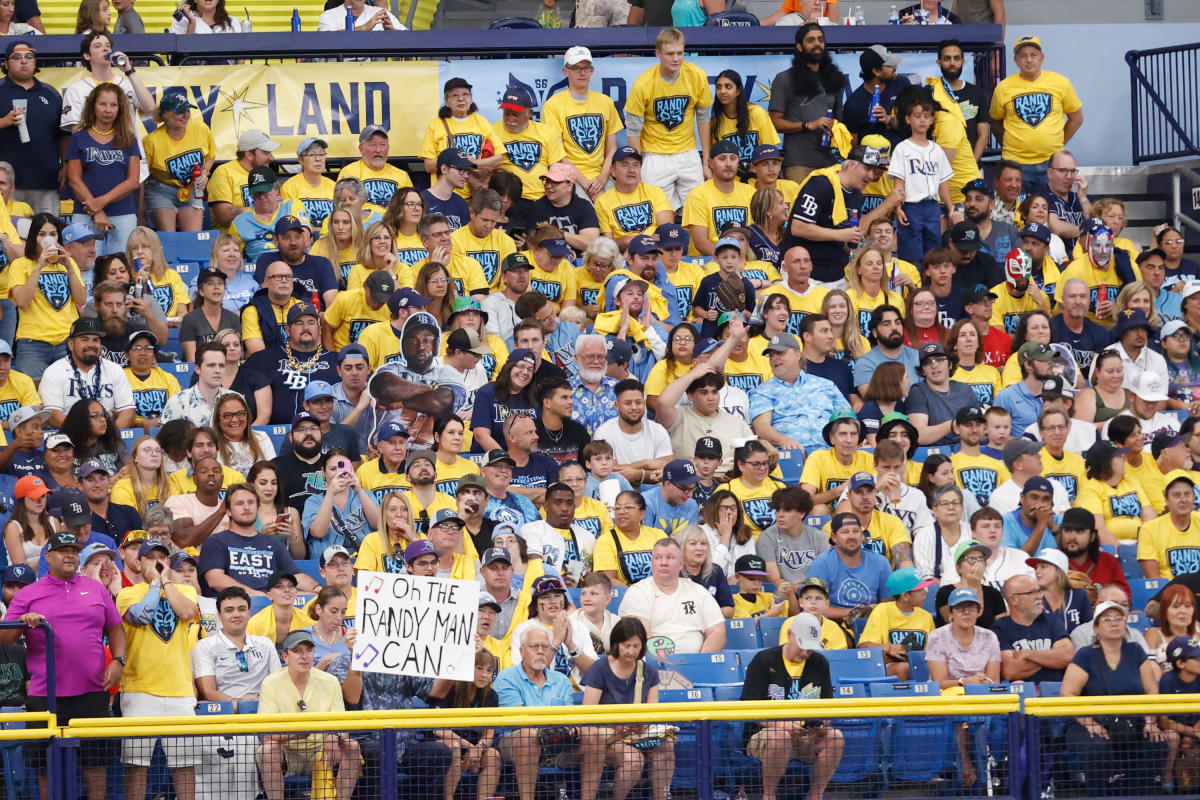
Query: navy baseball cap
point(18, 573)
point(681, 472)
point(861, 479)
point(556, 247)
point(150, 545)
point(625, 152)
point(1038, 484)
point(703, 345)
point(392, 428)
point(175, 102)
point(1036, 230)
point(455, 158)
point(302, 310)
point(406, 298)
point(643, 245)
point(723, 147)
point(354, 350)
point(304, 416)
point(977, 185)
point(517, 98)
point(671, 235)
point(766, 152)
point(494, 554)
point(619, 351)
point(288, 223)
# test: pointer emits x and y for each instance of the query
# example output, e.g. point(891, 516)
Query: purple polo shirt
point(79, 610)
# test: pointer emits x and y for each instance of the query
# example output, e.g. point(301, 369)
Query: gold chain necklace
point(295, 365)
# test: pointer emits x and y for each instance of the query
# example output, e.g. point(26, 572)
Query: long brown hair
point(741, 531)
point(465, 692)
point(161, 484)
point(21, 516)
point(123, 135)
point(885, 383)
point(223, 444)
point(911, 331)
point(441, 309)
point(952, 342)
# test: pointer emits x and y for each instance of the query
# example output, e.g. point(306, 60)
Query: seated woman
point(332, 638)
point(383, 549)
point(94, 435)
point(471, 748)
point(624, 677)
point(344, 513)
point(1176, 616)
point(1119, 504)
point(282, 617)
point(1121, 751)
point(1070, 605)
point(699, 567)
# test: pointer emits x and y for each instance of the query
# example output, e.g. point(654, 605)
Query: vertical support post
point(1176, 199)
point(1017, 764)
point(1033, 758)
point(388, 779)
point(62, 768)
point(706, 771)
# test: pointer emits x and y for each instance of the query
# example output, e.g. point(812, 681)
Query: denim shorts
point(161, 195)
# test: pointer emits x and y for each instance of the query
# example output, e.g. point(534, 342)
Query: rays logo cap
point(681, 472)
point(625, 152)
point(262, 180)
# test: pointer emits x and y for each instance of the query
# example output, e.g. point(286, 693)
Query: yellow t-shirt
point(252, 325)
point(404, 275)
point(346, 259)
point(874, 193)
point(1034, 114)
point(1008, 310)
point(1177, 552)
point(51, 313)
point(833, 636)
point(634, 558)
point(759, 131)
point(669, 108)
point(557, 286)
point(467, 274)
point(864, 304)
point(1068, 471)
point(349, 315)
point(800, 305)
point(123, 494)
point(159, 654)
point(587, 290)
point(380, 184)
point(789, 189)
point(382, 342)
point(759, 271)
point(756, 503)
point(150, 393)
point(171, 162)
point(263, 624)
point(448, 474)
point(584, 127)
point(490, 251)
point(748, 373)
point(375, 555)
point(529, 154)
point(410, 250)
point(686, 280)
point(624, 215)
point(664, 373)
point(170, 291)
point(744, 608)
point(592, 516)
point(979, 475)
point(708, 206)
point(422, 514)
point(180, 482)
point(950, 132)
point(378, 481)
point(317, 200)
point(884, 533)
point(229, 183)
point(1150, 479)
point(887, 624)
point(17, 391)
point(983, 379)
point(824, 471)
point(1120, 506)
point(469, 134)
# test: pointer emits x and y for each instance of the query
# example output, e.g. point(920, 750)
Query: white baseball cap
point(1050, 555)
point(1189, 288)
point(1150, 388)
point(1173, 327)
point(576, 55)
point(807, 630)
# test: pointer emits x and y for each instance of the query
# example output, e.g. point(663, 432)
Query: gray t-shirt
point(129, 21)
point(803, 148)
point(975, 12)
point(794, 555)
point(938, 406)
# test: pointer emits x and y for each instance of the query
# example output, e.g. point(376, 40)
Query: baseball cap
point(643, 245)
point(455, 83)
point(868, 156)
point(14, 45)
point(471, 480)
point(1107, 605)
point(5, 348)
point(906, 579)
point(1035, 351)
point(150, 545)
point(278, 577)
point(708, 446)
point(1177, 475)
point(977, 295)
point(392, 428)
point(62, 539)
point(814, 583)
point(309, 142)
point(1094, 226)
point(522, 354)
point(781, 342)
point(1056, 386)
point(421, 547)
point(727, 242)
point(931, 350)
point(297, 638)
point(18, 573)
point(965, 235)
point(467, 339)
point(405, 297)
point(145, 334)
point(1169, 329)
point(765, 152)
point(963, 595)
point(254, 139)
point(58, 439)
point(205, 275)
point(723, 147)
point(417, 455)
point(750, 564)
point(703, 345)
point(498, 456)
point(288, 223)
point(1026, 41)
point(175, 102)
point(1037, 230)
point(558, 173)
point(515, 261)
point(379, 286)
point(304, 416)
point(1079, 519)
point(372, 130)
point(1038, 484)
point(547, 584)
point(1162, 441)
point(556, 247)
point(671, 235)
point(625, 152)
point(446, 515)
point(487, 601)
point(877, 56)
point(681, 472)
point(623, 283)
point(317, 389)
point(31, 486)
point(329, 552)
point(452, 157)
point(970, 546)
point(78, 232)
point(26, 413)
point(1150, 387)
point(881, 144)
point(1102, 452)
point(576, 55)
point(1179, 648)
point(807, 630)
point(977, 185)
point(86, 326)
point(1189, 288)
point(517, 98)
point(620, 351)
point(353, 350)
point(494, 554)
point(181, 557)
point(844, 518)
point(861, 479)
point(1052, 556)
point(302, 310)
point(90, 467)
point(261, 179)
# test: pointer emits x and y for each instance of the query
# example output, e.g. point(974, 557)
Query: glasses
point(22, 57)
point(437, 281)
point(757, 464)
point(243, 665)
point(1175, 242)
point(140, 348)
point(684, 489)
point(278, 277)
point(413, 204)
point(950, 503)
point(1055, 428)
point(582, 68)
point(230, 415)
point(1065, 171)
point(627, 508)
point(974, 559)
point(1031, 593)
point(314, 155)
point(683, 339)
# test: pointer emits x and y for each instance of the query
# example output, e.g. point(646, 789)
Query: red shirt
point(997, 347)
point(1104, 570)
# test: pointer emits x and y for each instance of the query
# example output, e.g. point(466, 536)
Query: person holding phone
point(344, 512)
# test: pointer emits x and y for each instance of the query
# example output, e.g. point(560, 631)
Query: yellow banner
point(333, 101)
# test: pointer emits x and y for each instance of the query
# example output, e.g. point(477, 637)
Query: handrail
point(1165, 113)
point(51, 700)
point(1118, 704)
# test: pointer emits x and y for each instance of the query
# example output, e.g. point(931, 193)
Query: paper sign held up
point(412, 625)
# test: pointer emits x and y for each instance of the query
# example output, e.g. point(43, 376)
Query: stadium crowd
point(805, 362)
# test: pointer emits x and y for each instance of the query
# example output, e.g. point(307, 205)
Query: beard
point(592, 375)
point(975, 215)
point(421, 480)
point(304, 451)
point(895, 340)
point(952, 73)
point(113, 326)
point(88, 358)
point(815, 56)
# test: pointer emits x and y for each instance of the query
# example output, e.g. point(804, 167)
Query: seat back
point(247, 707)
point(514, 23)
point(698, 694)
point(791, 462)
point(917, 668)
point(768, 630)
point(707, 669)
point(864, 665)
point(908, 689)
point(206, 707)
point(1143, 590)
point(741, 634)
point(732, 19)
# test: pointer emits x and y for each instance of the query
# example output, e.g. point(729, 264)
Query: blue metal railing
point(1165, 98)
point(51, 703)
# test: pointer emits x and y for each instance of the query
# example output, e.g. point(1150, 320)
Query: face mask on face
point(1100, 248)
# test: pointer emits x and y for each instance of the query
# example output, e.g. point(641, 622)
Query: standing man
point(229, 186)
point(82, 613)
point(1066, 192)
point(805, 100)
point(36, 158)
point(379, 178)
point(969, 98)
point(531, 147)
point(1034, 113)
point(631, 207)
point(668, 106)
point(587, 121)
point(878, 67)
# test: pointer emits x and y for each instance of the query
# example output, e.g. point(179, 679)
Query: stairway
point(1144, 208)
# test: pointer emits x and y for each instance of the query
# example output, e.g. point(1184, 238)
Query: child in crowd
point(751, 601)
point(814, 599)
point(707, 459)
point(595, 593)
point(1183, 653)
point(598, 458)
point(999, 431)
point(921, 172)
point(900, 624)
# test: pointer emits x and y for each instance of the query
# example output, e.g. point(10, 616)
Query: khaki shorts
point(804, 747)
point(506, 746)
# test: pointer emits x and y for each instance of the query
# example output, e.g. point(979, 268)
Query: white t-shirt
point(1147, 361)
point(216, 656)
point(541, 537)
point(923, 169)
point(335, 20)
point(652, 441)
point(1081, 436)
point(1159, 423)
point(1009, 561)
point(682, 616)
point(1007, 497)
point(925, 554)
point(60, 391)
point(180, 26)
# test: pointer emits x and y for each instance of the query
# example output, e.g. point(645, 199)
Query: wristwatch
point(120, 660)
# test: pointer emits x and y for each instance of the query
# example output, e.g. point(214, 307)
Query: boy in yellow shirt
point(750, 600)
point(900, 625)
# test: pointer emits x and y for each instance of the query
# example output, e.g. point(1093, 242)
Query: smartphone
point(281, 519)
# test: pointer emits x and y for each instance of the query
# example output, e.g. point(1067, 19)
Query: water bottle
point(859, 18)
point(826, 137)
point(195, 177)
point(893, 16)
point(295, 20)
point(349, 19)
point(874, 102)
point(854, 218)
point(246, 27)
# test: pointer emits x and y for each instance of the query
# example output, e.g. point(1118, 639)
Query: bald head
point(1019, 584)
point(798, 266)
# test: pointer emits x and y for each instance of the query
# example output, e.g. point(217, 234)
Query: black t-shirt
point(950, 307)
point(571, 218)
point(562, 445)
point(1085, 344)
point(483, 699)
point(857, 114)
point(287, 383)
point(814, 204)
point(116, 348)
point(982, 269)
point(974, 106)
point(294, 476)
point(767, 678)
point(120, 521)
point(313, 274)
point(993, 605)
point(831, 369)
point(658, 13)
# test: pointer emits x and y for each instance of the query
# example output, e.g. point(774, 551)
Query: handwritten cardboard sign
point(411, 625)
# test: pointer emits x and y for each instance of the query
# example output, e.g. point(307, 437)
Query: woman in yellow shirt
point(283, 616)
point(599, 260)
point(1119, 504)
point(383, 550)
point(146, 484)
point(310, 186)
point(165, 284)
point(963, 344)
point(460, 125)
point(868, 291)
point(623, 552)
point(378, 251)
point(342, 243)
point(180, 144)
point(681, 344)
point(47, 288)
point(748, 125)
point(403, 213)
point(449, 466)
point(753, 486)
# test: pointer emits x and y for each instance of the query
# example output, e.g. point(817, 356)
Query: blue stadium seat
point(310, 567)
point(732, 19)
point(129, 434)
point(791, 462)
point(276, 433)
point(818, 521)
point(1144, 589)
point(848, 690)
point(1139, 621)
point(514, 23)
point(618, 592)
point(768, 630)
point(247, 707)
point(1108, 548)
point(707, 669)
point(1049, 689)
point(1127, 555)
point(858, 666)
point(859, 625)
point(304, 598)
point(741, 634)
point(923, 453)
point(206, 707)
point(257, 604)
point(182, 370)
point(919, 748)
point(907, 689)
point(190, 248)
point(917, 668)
point(698, 694)
point(687, 758)
point(726, 692)
point(12, 759)
point(172, 344)
point(1022, 688)
point(744, 657)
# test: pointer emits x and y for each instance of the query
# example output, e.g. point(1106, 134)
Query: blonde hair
point(854, 279)
point(141, 235)
point(161, 485)
point(357, 236)
point(849, 334)
point(218, 243)
point(1126, 294)
point(384, 533)
point(668, 36)
point(365, 257)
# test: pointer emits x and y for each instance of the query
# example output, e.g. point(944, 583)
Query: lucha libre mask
point(1017, 268)
point(1100, 248)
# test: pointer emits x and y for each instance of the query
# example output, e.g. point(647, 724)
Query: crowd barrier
point(897, 740)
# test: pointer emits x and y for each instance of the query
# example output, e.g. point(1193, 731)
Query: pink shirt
point(78, 610)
